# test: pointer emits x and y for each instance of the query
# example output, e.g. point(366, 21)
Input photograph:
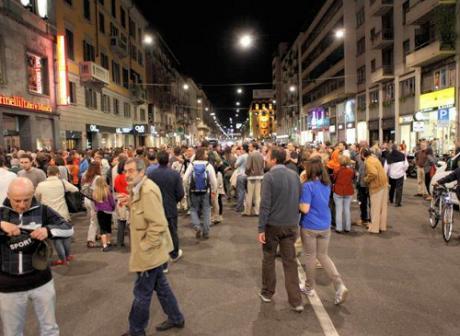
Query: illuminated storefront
point(318, 123)
point(346, 121)
point(438, 113)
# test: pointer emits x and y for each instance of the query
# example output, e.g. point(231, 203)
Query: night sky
point(203, 36)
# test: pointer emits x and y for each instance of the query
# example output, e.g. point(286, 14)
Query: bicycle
point(442, 207)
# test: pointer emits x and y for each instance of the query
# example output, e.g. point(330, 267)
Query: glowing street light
point(274, 101)
point(238, 104)
point(246, 41)
point(148, 39)
point(206, 109)
point(292, 88)
point(199, 101)
point(185, 87)
point(340, 33)
point(239, 91)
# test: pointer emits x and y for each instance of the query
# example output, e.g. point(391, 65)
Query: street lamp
point(185, 87)
point(148, 39)
point(246, 41)
point(340, 33)
point(199, 101)
point(239, 91)
point(274, 101)
point(292, 88)
point(238, 104)
point(206, 109)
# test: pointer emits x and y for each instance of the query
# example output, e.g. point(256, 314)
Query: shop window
point(127, 110)
point(104, 61)
point(101, 23)
point(116, 106)
point(90, 98)
point(87, 9)
point(37, 74)
point(69, 44)
point(142, 114)
point(89, 54)
point(72, 92)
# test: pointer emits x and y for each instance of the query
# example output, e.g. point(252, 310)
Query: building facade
point(28, 114)
point(380, 70)
point(102, 98)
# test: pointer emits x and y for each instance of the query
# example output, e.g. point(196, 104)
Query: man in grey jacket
point(279, 225)
point(255, 174)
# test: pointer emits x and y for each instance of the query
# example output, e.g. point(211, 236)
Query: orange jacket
point(334, 162)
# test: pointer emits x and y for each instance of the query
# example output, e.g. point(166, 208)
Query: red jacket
point(121, 186)
point(344, 181)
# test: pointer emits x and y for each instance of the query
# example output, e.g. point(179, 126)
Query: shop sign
point(341, 127)
point(443, 115)
point(93, 129)
point(418, 126)
point(20, 102)
point(437, 99)
point(350, 125)
point(317, 118)
point(332, 129)
point(152, 129)
point(406, 119)
point(123, 130)
point(140, 129)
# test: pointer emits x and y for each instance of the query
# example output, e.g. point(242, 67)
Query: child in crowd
point(105, 205)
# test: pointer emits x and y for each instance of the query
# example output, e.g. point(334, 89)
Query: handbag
point(72, 199)
point(432, 170)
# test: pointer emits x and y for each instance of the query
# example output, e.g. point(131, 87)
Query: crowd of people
point(298, 193)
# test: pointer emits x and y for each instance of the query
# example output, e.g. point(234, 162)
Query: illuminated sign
point(34, 73)
point(63, 95)
point(434, 100)
point(20, 102)
point(93, 129)
point(418, 126)
point(123, 130)
point(140, 129)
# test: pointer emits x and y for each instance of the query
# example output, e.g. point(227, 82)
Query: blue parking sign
point(443, 115)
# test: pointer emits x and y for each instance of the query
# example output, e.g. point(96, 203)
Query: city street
point(403, 282)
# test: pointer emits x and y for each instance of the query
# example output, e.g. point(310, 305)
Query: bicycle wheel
point(447, 221)
point(434, 212)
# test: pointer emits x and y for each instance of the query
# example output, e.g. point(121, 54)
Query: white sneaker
point(341, 295)
point(179, 255)
point(307, 291)
point(264, 298)
point(298, 309)
point(165, 271)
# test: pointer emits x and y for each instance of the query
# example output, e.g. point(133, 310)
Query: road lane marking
point(315, 301)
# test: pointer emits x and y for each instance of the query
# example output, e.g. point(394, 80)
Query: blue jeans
point(342, 207)
point(240, 192)
point(13, 310)
point(200, 203)
point(146, 283)
point(62, 246)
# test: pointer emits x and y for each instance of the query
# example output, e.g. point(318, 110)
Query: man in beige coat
point(150, 246)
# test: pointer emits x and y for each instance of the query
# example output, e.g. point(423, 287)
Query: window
point(407, 87)
point(123, 17)
point(406, 47)
point(127, 110)
point(105, 103)
point(132, 29)
point(101, 23)
point(362, 102)
point(37, 74)
point(373, 65)
point(361, 74)
point(140, 57)
point(389, 92)
point(114, 8)
point(361, 46)
point(135, 77)
point(139, 34)
point(113, 30)
point(87, 9)
point(105, 61)
point(2, 62)
point(90, 98)
point(116, 106)
point(69, 2)
point(116, 73)
point(360, 17)
point(374, 97)
point(405, 8)
point(133, 52)
point(125, 78)
point(142, 114)
point(72, 92)
point(69, 44)
point(88, 52)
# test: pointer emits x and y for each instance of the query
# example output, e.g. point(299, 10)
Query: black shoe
point(205, 236)
point(398, 205)
point(108, 248)
point(198, 234)
point(166, 325)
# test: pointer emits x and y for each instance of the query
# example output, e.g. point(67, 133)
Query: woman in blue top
point(315, 222)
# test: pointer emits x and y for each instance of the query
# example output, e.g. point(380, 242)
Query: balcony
point(429, 52)
point(380, 7)
point(92, 74)
point(382, 39)
point(119, 46)
point(420, 10)
point(138, 94)
point(382, 74)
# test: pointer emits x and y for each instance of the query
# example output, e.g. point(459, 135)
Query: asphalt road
point(403, 282)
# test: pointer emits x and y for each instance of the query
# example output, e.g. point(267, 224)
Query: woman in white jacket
point(397, 167)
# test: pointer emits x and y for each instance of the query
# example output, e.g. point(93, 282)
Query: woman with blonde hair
point(104, 205)
point(315, 225)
